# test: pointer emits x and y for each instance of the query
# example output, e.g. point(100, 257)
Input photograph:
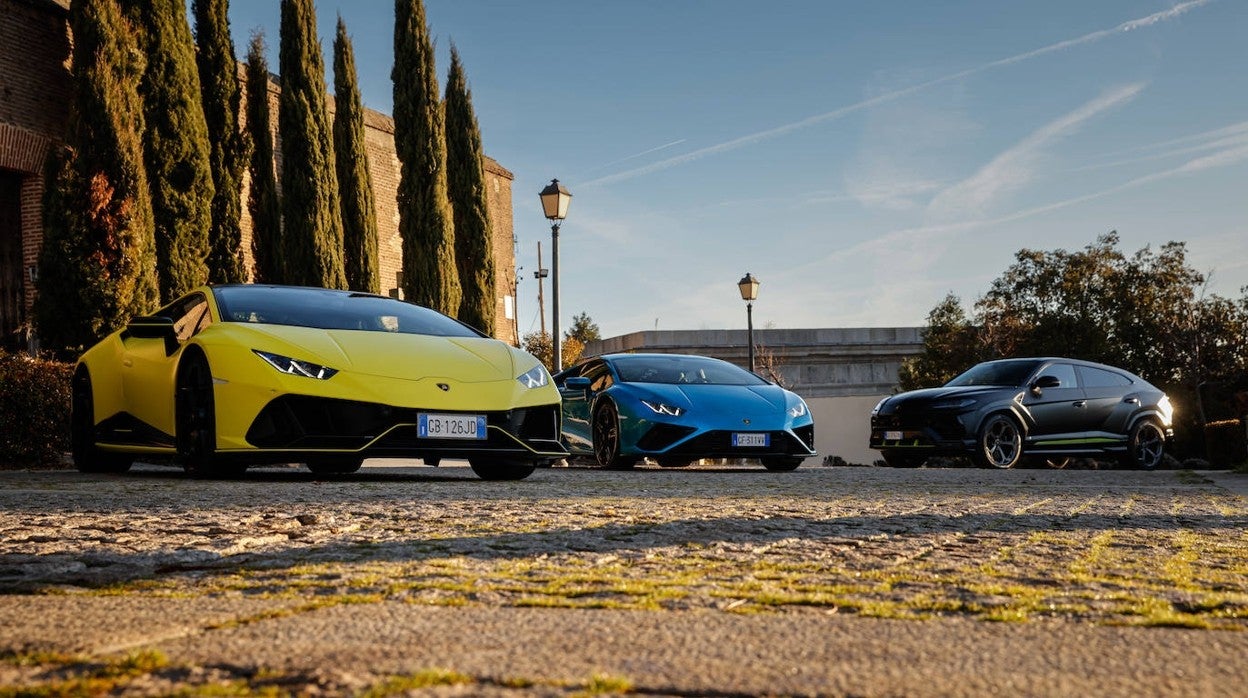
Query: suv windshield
point(333, 310)
point(1009, 373)
point(678, 369)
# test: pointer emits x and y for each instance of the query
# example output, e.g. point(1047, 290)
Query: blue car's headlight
point(798, 410)
point(295, 367)
point(664, 408)
point(535, 377)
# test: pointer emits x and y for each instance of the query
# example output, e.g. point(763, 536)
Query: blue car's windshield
point(332, 310)
point(682, 369)
point(1008, 373)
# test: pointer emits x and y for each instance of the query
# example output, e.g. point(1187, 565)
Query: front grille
point(714, 444)
point(303, 422)
point(660, 436)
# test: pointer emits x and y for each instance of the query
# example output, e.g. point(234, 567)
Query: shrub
point(34, 411)
point(1226, 443)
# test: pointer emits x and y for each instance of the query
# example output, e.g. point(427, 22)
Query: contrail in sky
point(637, 155)
point(1127, 26)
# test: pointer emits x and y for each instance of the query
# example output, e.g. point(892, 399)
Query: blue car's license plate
point(450, 426)
point(745, 439)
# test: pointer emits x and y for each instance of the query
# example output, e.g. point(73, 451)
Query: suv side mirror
point(1045, 382)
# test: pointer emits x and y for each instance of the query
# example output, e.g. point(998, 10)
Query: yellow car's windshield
point(333, 310)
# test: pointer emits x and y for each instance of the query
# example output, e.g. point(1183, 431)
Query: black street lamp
point(749, 292)
point(555, 199)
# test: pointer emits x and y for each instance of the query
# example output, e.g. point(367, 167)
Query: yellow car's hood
point(385, 354)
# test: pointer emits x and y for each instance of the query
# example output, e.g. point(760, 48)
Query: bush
point(1226, 443)
point(34, 411)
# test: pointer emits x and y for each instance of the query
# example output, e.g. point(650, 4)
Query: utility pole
point(540, 274)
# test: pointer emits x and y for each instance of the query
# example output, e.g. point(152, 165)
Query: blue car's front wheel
point(606, 435)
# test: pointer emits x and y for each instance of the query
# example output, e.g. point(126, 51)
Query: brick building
point(35, 94)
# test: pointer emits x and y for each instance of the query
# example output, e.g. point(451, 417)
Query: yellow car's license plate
point(450, 426)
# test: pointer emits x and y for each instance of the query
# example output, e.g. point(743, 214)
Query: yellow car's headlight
point(535, 377)
point(296, 367)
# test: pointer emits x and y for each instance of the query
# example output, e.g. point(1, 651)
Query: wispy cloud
point(1130, 25)
point(1208, 140)
point(1015, 166)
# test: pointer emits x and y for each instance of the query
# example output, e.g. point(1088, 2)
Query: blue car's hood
point(719, 406)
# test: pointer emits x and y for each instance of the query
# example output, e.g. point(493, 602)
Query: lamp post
point(555, 199)
point(748, 286)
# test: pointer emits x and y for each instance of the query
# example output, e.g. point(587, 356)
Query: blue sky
point(861, 159)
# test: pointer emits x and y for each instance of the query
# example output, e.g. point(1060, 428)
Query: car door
point(1058, 410)
point(149, 365)
point(1111, 400)
point(575, 405)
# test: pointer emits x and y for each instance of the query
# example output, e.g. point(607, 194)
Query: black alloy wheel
point(88, 458)
point(1145, 445)
point(196, 420)
point(496, 470)
point(781, 464)
point(606, 434)
point(1000, 443)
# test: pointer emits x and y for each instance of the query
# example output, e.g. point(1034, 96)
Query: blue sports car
point(676, 408)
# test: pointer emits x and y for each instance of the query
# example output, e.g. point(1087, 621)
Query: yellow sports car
point(237, 375)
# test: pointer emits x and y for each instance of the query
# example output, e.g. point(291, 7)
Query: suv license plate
point(892, 436)
point(747, 440)
point(450, 426)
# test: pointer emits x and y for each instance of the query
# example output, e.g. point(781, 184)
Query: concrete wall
point(840, 372)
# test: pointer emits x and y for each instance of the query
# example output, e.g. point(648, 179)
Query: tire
point(1000, 443)
point(1146, 445)
point(606, 435)
point(196, 420)
point(903, 460)
point(781, 464)
point(495, 470)
point(670, 462)
point(87, 457)
point(341, 465)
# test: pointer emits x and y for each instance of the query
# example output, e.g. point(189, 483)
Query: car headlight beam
point(535, 377)
point(296, 367)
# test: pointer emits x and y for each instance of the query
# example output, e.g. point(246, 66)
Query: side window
point(190, 315)
point(1063, 372)
point(1100, 378)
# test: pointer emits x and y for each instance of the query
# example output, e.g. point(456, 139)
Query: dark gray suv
point(999, 412)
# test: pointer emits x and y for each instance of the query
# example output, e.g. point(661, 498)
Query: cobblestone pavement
point(820, 551)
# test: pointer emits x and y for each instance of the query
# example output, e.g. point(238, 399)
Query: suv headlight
point(955, 404)
point(296, 367)
point(876, 410)
point(535, 377)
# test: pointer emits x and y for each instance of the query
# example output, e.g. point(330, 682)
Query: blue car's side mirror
point(576, 383)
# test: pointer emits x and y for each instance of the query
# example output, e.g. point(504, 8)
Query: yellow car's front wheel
point(87, 457)
point(196, 419)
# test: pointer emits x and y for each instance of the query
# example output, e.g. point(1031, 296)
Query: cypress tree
point(465, 183)
point(262, 199)
point(98, 259)
point(218, 78)
point(430, 276)
point(355, 184)
point(311, 231)
point(175, 144)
